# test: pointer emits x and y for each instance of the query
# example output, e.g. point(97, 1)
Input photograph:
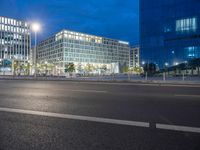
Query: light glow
point(176, 63)
point(35, 27)
point(166, 64)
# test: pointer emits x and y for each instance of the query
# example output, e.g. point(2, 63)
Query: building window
point(192, 52)
point(186, 25)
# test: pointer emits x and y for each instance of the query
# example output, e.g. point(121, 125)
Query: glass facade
point(78, 48)
point(169, 30)
point(14, 39)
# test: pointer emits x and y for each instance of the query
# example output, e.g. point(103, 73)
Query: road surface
point(59, 115)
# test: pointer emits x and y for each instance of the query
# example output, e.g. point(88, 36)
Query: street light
point(165, 70)
point(35, 28)
point(143, 62)
point(146, 72)
point(176, 63)
point(166, 64)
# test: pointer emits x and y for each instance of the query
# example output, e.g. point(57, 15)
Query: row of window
point(192, 52)
point(12, 22)
point(80, 53)
point(9, 28)
point(189, 24)
point(84, 48)
point(88, 38)
point(80, 44)
point(79, 38)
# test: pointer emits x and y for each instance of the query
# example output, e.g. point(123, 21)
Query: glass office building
point(83, 49)
point(15, 39)
point(169, 31)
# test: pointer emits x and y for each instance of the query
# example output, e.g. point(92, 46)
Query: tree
point(80, 68)
point(150, 68)
point(137, 70)
point(195, 63)
point(70, 68)
point(125, 69)
point(16, 67)
point(104, 68)
point(89, 68)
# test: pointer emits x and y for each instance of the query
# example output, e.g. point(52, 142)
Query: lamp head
point(35, 27)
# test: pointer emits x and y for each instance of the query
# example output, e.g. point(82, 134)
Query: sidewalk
point(102, 80)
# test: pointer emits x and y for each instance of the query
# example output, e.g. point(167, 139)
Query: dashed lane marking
point(89, 91)
point(178, 128)
point(76, 117)
point(193, 96)
point(103, 120)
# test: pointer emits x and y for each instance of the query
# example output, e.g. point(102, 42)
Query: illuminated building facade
point(135, 57)
point(169, 31)
point(15, 39)
point(83, 49)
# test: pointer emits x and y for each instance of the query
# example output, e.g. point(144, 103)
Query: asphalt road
point(54, 115)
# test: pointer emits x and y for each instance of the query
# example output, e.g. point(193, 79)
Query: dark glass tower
point(169, 31)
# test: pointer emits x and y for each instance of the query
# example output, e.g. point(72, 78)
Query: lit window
point(2, 20)
point(5, 20)
point(6, 28)
point(192, 52)
point(186, 25)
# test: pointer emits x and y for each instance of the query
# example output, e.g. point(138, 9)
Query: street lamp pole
point(4, 58)
point(147, 68)
point(165, 70)
point(35, 28)
point(3, 67)
point(35, 55)
point(46, 71)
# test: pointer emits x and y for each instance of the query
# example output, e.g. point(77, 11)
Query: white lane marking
point(145, 84)
point(76, 117)
point(194, 96)
point(181, 85)
point(89, 91)
point(178, 128)
point(102, 120)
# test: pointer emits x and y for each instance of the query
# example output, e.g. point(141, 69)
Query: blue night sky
point(116, 19)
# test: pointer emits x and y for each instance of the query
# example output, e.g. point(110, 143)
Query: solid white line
point(181, 85)
point(76, 117)
point(194, 96)
point(162, 84)
point(178, 128)
point(89, 91)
